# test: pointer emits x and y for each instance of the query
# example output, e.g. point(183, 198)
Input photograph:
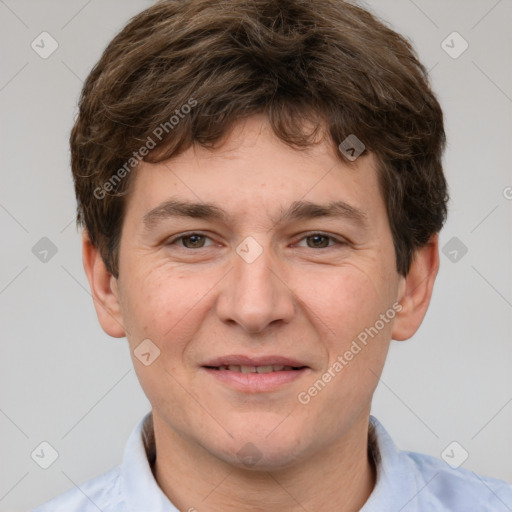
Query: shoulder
point(459, 489)
point(99, 493)
point(417, 482)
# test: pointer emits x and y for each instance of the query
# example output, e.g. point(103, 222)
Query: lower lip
point(256, 382)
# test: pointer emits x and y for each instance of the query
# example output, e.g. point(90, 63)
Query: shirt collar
point(395, 476)
point(139, 486)
point(395, 479)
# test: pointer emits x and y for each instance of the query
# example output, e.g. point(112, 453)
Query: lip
point(255, 382)
point(242, 360)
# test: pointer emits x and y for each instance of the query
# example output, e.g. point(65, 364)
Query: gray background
point(65, 382)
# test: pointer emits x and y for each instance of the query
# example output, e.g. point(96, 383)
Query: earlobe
point(415, 290)
point(104, 290)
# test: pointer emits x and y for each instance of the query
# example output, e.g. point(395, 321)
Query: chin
point(262, 458)
point(257, 450)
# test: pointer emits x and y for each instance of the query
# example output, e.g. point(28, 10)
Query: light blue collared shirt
point(406, 482)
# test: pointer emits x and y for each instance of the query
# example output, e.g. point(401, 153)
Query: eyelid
point(338, 240)
point(175, 238)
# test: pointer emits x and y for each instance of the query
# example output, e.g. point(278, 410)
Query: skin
point(297, 299)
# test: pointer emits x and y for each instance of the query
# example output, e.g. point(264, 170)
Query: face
point(253, 308)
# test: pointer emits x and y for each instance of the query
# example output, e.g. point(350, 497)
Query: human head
point(253, 129)
point(182, 72)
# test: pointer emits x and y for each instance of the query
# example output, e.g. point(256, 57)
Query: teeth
point(264, 369)
point(256, 369)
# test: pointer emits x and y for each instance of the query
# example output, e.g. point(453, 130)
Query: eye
point(319, 240)
point(197, 241)
point(190, 240)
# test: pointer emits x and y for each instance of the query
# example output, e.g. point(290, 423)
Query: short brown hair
point(329, 62)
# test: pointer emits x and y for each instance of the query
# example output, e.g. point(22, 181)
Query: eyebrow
point(298, 210)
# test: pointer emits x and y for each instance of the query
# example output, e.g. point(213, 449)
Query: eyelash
point(337, 241)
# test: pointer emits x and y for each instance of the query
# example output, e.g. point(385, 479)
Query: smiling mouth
point(256, 369)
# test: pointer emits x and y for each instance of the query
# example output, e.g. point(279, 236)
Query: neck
point(341, 477)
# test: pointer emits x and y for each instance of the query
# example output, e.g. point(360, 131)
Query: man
point(261, 189)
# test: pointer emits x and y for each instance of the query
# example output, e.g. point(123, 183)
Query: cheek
point(348, 313)
point(345, 301)
point(159, 305)
point(156, 303)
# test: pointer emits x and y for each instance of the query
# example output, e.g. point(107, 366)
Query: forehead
point(254, 173)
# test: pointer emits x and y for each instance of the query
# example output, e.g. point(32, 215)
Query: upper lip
point(241, 360)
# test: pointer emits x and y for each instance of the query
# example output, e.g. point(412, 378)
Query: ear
point(415, 290)
point(104, 290)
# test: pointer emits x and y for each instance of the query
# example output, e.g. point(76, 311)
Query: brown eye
point(195, 241)
point(321, 241)
point(190, 241)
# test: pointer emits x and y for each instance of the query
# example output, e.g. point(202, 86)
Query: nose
point(256, 293)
